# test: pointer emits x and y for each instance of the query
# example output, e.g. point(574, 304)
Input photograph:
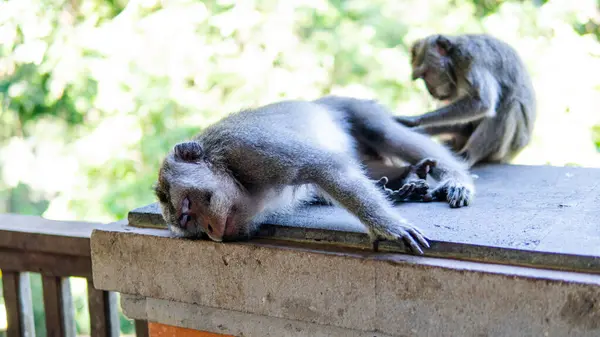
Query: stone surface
point(228, 322)
point(396, 294)
point(529, 215)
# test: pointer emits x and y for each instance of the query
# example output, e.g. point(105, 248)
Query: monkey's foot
point(422, 168)
point(455, 193)
point(412, 236)
point(413, 190)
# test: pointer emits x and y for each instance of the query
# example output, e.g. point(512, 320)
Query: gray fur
point(272, 158)
point(493, 105)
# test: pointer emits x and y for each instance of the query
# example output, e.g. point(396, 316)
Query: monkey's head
point(200, 198)
point(431, 61)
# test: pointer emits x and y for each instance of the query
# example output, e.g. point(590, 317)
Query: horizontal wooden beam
point(46, 264)
point(36, 234)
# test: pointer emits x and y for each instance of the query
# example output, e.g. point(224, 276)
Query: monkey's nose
point(213, 228)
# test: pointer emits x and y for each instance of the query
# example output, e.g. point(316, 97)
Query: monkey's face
point(197, 199)
point(431, 61)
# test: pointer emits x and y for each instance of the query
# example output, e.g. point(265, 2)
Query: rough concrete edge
point(504, 270)
point(215, 320)
point(134, 306)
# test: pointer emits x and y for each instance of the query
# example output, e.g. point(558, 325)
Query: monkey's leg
point(490, 141)
point(373, 124)
point(456, 184)
point(343, 180)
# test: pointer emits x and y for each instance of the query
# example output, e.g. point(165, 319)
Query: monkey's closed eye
point(188, 151)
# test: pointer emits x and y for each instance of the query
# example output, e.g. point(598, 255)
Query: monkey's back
point(294, 128)
point(503, 61)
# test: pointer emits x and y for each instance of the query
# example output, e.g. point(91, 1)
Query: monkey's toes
point(459, 196)
point(382, 182)
point(404, 192)
point(421, 188)
point(454, 193)
point(414, 190)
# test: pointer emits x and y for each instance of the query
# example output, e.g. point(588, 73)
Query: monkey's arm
point(344, 181)
point(439, 130)
point(478, 102)
point(290, 160)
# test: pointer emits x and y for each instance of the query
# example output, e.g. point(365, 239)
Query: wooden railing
point(57, 250)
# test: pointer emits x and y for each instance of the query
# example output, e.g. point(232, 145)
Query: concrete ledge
point(227, 322)
point(397, 295)
point(538, 216)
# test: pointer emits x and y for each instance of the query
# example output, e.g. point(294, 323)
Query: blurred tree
point(94, 93)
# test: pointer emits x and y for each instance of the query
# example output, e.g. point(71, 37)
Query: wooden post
point(17, 299)
point(58, 306)
point(104, 318)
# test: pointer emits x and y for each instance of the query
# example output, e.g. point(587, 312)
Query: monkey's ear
point(444, 45)
point(188, 151)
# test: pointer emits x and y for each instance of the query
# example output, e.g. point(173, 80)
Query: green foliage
point(94, 93)
point(596, 136)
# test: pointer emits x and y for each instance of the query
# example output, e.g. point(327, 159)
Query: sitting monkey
point(493, 108)
point(270, 159)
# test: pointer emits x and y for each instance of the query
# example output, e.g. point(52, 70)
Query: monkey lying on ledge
point(270, 159)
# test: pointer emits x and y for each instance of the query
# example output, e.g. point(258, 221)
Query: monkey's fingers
point(458, 196)
point(382, 182)
point(412, 243)
point(404, 192)
point(419, 236)
point(420, 190)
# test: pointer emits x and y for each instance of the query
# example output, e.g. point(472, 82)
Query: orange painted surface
point(162, 330)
